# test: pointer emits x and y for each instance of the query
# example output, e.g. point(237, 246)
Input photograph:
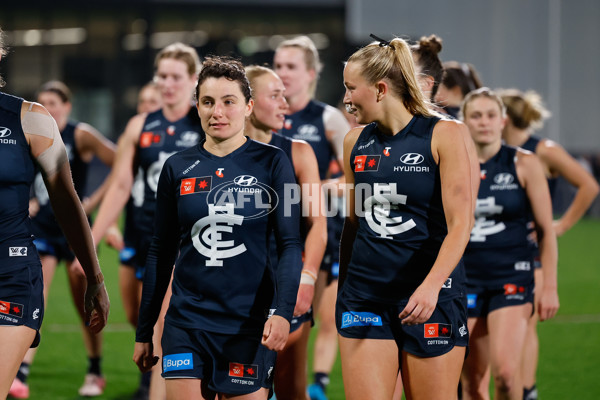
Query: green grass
point(570, 343)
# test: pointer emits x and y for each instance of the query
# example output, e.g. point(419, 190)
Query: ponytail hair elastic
point(382, 43)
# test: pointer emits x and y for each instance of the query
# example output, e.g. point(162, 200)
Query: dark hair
point(224, 67)
point(58, 88)
point(427, 49)
point(462, 75)
point(2, 53)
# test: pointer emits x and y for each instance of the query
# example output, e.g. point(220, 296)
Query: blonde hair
point(393, 62)
point(181, 52)
point(311, 56)
point(482, 92)
point(254, 72)
point(526, 110)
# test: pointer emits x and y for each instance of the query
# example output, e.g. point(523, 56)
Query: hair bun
point(432, 43)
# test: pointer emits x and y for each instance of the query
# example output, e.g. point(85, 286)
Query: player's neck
point(394, 118)
point(487, 151)
point(175, 112)
point(514, 136)
point(259, 134)
point(221, 148)
point(298, 102)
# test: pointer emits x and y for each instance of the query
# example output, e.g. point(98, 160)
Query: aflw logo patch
point(438, 330)
point(13, 309)
point(366, 163)
point(195, 185)
point(17, 251)
point(243, 370)
point(148, 139)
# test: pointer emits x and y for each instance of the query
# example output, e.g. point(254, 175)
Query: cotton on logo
point(245, 180)
point(412, 158)
point(4, 132)
point(503, 179)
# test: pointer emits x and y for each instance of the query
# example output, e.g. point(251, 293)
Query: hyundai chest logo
point(245, 180)
point(4, 132)
point(504, 179)
point(412, 158)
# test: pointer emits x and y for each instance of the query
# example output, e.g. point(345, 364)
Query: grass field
point(570, 343)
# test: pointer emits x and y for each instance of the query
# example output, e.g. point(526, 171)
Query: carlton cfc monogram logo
point(207, 234)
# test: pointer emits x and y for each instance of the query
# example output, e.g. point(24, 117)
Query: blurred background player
point(526, 113)
point(82, 143)
point(499, 257)
point(268, 115)
point(297, 63)
point(230, 311)
point(458, 79)
point(34, 140)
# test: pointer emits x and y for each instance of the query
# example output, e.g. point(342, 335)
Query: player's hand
point(143, 356)
point(304, 299)
point(276, 332)
point(548, 303)
point(114, 238)
point(421, 305)
point(559, 228)
point(34, 207)
point(96, 306)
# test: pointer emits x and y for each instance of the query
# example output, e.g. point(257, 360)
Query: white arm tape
point(53, 158)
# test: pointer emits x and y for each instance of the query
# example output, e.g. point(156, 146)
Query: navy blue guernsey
point(159, 140)
point(498, 250)
point(531, 145)
point(44, 222)
point(17, 170)
point(308, 125)
point(215, 215)
point(397, 186)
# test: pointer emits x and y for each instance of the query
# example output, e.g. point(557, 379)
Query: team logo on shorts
point(357, 318)
point(195, 185)
point(366, 163)
point(17, 251)
point(514, 292)
point(13, 309)
point(243, 370)
point(447, 284)
point(438, 330)
point(177, 362)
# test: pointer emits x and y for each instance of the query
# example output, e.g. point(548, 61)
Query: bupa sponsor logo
point(357, 318)
point(471, 300)
point(178, 362)
point(17, 251)
point(411, 163)
point(4, 134)
point(504, 181)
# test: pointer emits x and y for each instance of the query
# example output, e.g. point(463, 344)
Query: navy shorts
point(482, 301)
point(297, 322)
point(135, 251)
point(22, 296)
point(57, 247)
point(365, 319)
point(231, 364)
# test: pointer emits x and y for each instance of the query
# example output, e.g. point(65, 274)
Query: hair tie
point(382, 43)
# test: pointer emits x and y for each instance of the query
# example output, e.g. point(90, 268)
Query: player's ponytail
point(526, 110)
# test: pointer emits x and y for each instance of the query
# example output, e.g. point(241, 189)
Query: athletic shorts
point(297, 322)
point(482, 301)
point(135, 252)
point(57, 247)
point(365, 319)
point(231, 364)
point(22, 296)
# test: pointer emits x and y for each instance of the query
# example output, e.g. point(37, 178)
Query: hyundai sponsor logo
point(412, 158)
point(356, 318)
point(245, 180)
point(4, 132)
point(503, 179)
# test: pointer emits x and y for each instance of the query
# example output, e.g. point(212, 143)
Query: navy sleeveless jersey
point(159, 140)
point(498, 249)
point(531, 145)
point(44, 222)
point(17, 170)
point(398, 188)
point(308, 125)
point(215, 215)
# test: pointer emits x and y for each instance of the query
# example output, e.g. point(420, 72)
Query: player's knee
point(505, 379)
